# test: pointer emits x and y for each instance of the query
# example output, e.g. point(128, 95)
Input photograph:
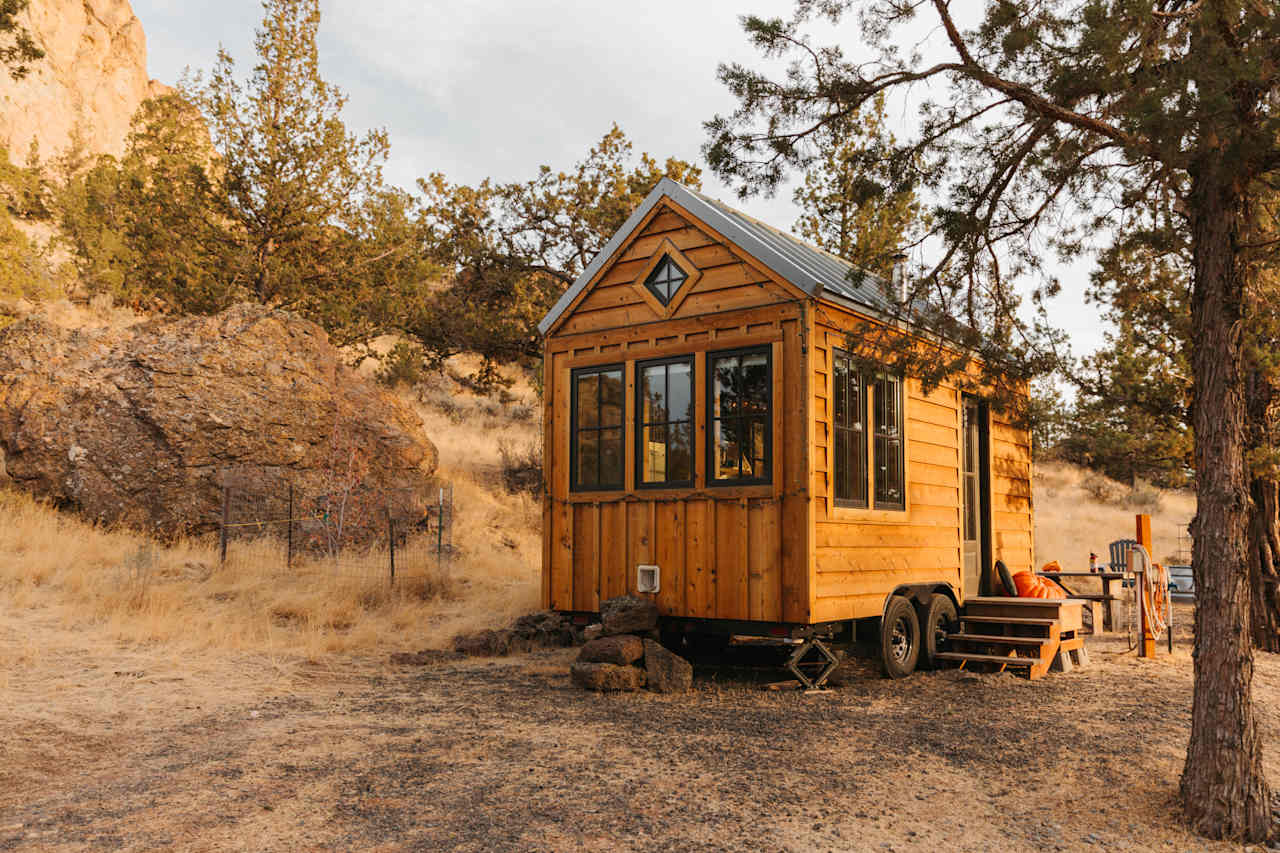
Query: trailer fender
point(919, 595)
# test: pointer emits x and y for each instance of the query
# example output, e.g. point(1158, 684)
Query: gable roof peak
point(807, 267)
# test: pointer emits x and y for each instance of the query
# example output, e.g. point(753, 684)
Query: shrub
point(1104, 489)
point(403, 365)
point(521, 467)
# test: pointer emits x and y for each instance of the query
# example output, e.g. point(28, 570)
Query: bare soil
point(104, 747)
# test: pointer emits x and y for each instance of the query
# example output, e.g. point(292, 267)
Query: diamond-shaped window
point(665, 279)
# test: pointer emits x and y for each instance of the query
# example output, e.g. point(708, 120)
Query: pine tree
point(848, 202)
point(1056, 115)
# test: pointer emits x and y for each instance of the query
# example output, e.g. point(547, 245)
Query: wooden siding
point(724, 552)
point(862, 554)
point(728, 281)
point(1012, 528)
point(780, 552)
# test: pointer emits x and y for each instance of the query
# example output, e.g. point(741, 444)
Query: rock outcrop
point(143, 425)
point(87, 87)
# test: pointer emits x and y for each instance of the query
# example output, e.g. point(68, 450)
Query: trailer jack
point(812, 663)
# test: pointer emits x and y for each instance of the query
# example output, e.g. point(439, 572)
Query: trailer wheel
point(939, 619)
point(899, 638)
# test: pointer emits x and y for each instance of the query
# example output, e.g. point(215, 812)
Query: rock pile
point(621, 652)
point(543, 629)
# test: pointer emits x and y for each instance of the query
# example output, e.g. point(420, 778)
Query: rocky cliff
point(144, 425)
point(90, 82)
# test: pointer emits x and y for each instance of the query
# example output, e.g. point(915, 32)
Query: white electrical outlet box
point(648, 578)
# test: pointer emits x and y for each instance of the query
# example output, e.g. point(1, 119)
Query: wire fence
point(349, 532)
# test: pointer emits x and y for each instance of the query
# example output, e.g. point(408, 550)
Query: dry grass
point(178, 595)
point(1078, 511)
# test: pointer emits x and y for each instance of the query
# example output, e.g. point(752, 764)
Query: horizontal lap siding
point(860, 557)
point(1011, 510)
point(741, 556)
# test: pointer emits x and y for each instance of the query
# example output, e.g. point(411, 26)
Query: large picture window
point(596, 440)
point(739, 418)
point(890, 462)
point(850, 428)
point(858, 444)
point(664, 414)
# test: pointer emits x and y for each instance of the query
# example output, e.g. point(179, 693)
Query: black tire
point(1006, 580)
point(938, 619)
point(899, 638)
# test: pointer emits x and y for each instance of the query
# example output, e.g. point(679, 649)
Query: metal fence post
point(289, 554)
point(226, 513)
point(440, 531)
point(391, 544)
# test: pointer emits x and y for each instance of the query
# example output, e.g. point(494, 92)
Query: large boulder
point(606, 676)
point(667, 672)
point(145, 425)
point(628, 614)
point(622, 650)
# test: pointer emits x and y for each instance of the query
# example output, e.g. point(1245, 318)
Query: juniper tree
point(298, 188)
point(511, 249)
point(1056, 115)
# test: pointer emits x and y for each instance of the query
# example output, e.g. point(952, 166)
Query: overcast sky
point(494, 88)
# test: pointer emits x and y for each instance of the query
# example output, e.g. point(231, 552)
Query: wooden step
point(1007, 620)
point(1007, 660)
point(999, 638)
point(1067, 612)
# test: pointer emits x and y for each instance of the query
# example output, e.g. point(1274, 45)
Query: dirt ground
point(110, 748)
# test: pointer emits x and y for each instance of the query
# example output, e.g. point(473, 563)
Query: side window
point(890, 490)
point(595, 435)
point(739, 416)
point(850, 434)
point(664, 422)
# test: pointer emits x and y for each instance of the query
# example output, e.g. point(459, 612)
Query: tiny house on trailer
point(709, 443)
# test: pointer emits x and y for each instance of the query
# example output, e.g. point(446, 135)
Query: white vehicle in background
point(1182, 583)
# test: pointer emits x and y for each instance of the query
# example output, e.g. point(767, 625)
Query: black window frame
point(640, 423)
point(649, 279)
point(861, 476)
point(574, 429)
point(900, 437)
point(710, 419)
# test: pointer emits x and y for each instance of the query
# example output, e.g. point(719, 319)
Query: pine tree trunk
point(1264, 536)
point(1224, 791)
point(1264, 582)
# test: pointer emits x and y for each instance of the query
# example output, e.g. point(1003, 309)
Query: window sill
point(886, 516)
point(690, 494)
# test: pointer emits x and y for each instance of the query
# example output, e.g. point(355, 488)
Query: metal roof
point(807, 267)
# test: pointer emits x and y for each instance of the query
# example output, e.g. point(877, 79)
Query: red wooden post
point(1147, 642)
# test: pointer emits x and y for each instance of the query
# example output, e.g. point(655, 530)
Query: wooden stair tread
point(996, 638)
point(1008, 620)
point(1016, 602)
point(1008, 660)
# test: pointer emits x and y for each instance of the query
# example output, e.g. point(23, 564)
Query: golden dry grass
point(1072, 520)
